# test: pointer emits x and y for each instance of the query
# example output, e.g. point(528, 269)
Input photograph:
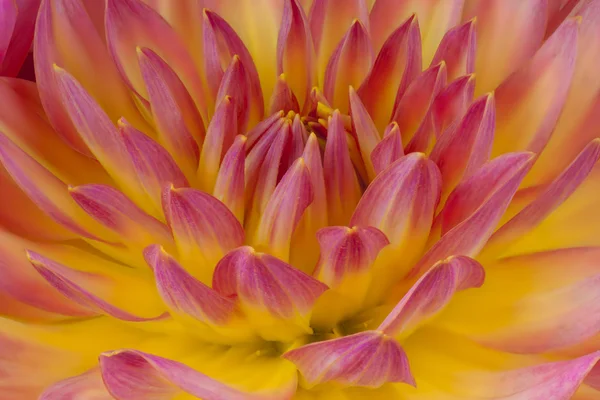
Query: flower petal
point(219, 137)
point(74, 285)
point(341, 182)
point(295, 51)
point(87, 385)
point(397, 64)
point(457, 49)
point(348, 66)
point(368, 359)
point(180, 126)
point(115, 211)
point(329, 20)
point(131, 24)
point(276, 297)
point(284, 210)
point(366, 132)
point(132, 374)
point(283, 98)
point(452, 103)
point(463, 149)
point(469, 236)
point(203, 227)
point(501, 51)
point(388, 150)
point(401, 202)
point(529, 102)
point(431, 293)
point(229, 187)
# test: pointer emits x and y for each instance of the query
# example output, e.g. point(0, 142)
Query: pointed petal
point(131, 24)
point(348, 66)
point(413, 107)
point(366, 132)
point(73, 285)
point(48, 192)
point(235, 85)
point(462, 150)
point(552, 197)
point(452, 103)
point(435, 17)
point(283, 98)
point(457, 49)
point(114, 210)
point(469, 236)
point(304, 248)
point(397, 64)
point(203, 227)
point(132, 374)
point(295, 52)
point(341, 182)
point(154, 167)
point(66, 35)
point(277, 298)
point(367, 359)
point(87, 385)
point(529, 102)
point(388, 150)
point(329, 20)
point(219, 136)
point(221, 42)
point(431, 293)
point(284, 210)
point(179, 124)
point(501, 51)
point(229, 187)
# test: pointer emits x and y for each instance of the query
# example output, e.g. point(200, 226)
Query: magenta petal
point(368, 359)
point(388, 150)
point(64, 279)
point(432, 292)
point(135, 375)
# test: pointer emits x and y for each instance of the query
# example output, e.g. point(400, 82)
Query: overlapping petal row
point(277, 199)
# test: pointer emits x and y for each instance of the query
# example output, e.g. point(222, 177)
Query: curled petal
point(368, 359)
point(397, 64)
point(348, 65)
point(277, 298)
point(457, 49)
point(346, 251)
point(388, 150)
point(132, 374)
point(180, 125)
point(470, 235)
point(430, 294)
point(462, 150)
point(203, 227)
point(229, 187)
point(219, 136)
point(295, 51)
point(114, 210)
point(72, 284)
point(341, 182)
point(17, 20)
point(284, 210)
point(529, 102)
point(131, 24)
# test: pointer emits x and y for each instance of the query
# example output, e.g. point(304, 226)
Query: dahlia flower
point(296, 199)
